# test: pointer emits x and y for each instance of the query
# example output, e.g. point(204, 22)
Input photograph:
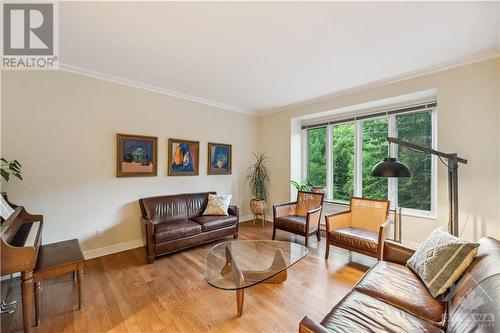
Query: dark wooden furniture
point(175, 222)
point(56, 259)
point(391, 298)
point(363, 228)
point(300, 217)
point(21, 236)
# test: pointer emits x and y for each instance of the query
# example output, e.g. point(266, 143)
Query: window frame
point(358, 171)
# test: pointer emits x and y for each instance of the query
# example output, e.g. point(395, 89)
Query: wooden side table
point(56, 259)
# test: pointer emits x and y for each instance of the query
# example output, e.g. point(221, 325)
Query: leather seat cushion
point(355, 238)
point(212, 222)
point(291, 222)
point(399, 286)
point(358, 312)
point(176, 229)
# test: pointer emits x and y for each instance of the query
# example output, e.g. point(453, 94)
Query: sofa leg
point(327, 252)
point(235, 236)
point(151, 259)
point(274, 233)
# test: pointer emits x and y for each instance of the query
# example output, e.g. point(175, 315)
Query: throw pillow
point(217, 204)
point(441, 259)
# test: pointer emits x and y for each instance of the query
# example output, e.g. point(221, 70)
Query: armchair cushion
point(176, 229)
point(355, 238)
point(291, 222)
point(211, 222)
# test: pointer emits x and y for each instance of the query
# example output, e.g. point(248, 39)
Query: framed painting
point(183, 157)
point(219, 159)
point(137, 155)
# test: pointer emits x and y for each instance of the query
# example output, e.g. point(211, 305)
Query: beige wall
point(62, 127)
point(468, 123)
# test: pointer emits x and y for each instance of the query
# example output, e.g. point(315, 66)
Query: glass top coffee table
point(238, 264)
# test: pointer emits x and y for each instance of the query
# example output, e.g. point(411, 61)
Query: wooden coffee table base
point(231, 271)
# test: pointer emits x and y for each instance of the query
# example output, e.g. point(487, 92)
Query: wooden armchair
point(301, 217)
point(361, 229)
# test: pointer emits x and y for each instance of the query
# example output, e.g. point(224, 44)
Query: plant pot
point(257, 206)
point(318, 190)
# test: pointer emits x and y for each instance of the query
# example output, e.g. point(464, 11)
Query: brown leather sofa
point(391, 298)
point(174, 222)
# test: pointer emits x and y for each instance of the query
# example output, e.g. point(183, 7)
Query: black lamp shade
point(389, 167)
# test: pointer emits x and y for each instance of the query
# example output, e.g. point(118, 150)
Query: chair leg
point(327, 252)
point(307, 241)
point(318, 235)
point(274, 232)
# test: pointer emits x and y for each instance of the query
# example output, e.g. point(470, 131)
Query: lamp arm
point(425, 149)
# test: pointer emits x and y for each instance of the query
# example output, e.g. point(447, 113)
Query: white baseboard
point(104, 251)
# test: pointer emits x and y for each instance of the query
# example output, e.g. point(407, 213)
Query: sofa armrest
point(309, 326)
point(396, 252)
point(147, 236)
point(284, 209)
point(338, 220)
point(234, 210)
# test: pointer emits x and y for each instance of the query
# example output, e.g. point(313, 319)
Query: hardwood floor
point(122, 293)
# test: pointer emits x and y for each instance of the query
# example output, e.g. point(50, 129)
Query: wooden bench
point(56, 259)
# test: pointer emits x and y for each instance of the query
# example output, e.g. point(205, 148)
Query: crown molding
point(490, 54)
point(144, 86)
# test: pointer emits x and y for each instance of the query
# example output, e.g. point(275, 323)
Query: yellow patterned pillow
point(217, 204)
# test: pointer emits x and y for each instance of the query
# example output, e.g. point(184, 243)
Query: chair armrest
point(382, 236)
point(313, 217)
point(234, 210)
point(396, 252)
point(309, 326)
point(284, 209)
point(338, 220)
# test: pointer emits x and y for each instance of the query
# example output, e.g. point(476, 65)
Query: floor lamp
point(390, 167)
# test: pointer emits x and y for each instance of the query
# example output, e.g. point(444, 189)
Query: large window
point(374, 150)
point(341, 156)
point(343, 162)
point(316, 166)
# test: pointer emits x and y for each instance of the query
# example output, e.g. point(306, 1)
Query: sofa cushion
point(209, 222)
point(175, 229)
point(291, 222)
point(355, 238)
point(399, 286)
point(358, 312)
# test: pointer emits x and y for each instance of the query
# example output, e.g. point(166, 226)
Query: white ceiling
point(260, 56)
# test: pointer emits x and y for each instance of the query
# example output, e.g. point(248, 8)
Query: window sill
point(405, 212)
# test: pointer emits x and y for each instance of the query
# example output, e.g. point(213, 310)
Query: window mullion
point(329, 162)
point(393, 181)
point(358, 171)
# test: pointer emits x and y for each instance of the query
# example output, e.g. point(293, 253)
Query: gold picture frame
point(136, 155)
point(183, 157)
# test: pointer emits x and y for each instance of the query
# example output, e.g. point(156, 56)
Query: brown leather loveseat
point(175, 222)
point(391, 298)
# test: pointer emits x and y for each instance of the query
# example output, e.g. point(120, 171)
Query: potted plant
point(258, 179)
point(10, 168)
point(307, 186)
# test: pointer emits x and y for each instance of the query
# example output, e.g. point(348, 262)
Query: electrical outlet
point(100, 232)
